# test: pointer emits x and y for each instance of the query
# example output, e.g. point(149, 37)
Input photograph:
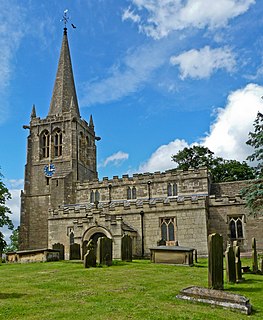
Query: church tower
point(61, 150)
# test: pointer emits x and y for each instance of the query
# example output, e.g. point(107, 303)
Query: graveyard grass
point(132, 290)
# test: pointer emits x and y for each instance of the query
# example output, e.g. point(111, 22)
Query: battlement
point(225, 200)
point(172, 173)
point(124, 206)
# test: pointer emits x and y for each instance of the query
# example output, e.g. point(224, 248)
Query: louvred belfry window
point(58, 143)
point(45, 143)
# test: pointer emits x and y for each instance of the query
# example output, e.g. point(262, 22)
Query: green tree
point(221, 170)
point(14, 241)
point(4, 211)
point(254, 192)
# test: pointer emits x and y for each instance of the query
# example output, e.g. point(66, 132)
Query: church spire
point(64, 97)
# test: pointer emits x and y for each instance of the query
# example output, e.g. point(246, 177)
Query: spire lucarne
point(64, 97)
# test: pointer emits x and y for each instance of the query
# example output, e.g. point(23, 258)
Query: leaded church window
point(58, 143)
point(131, 193)
point(236, 226)
point(171, 189)
point(45, 144)
point(168, 229)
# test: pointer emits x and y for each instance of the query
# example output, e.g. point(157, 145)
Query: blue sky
point(157, 75)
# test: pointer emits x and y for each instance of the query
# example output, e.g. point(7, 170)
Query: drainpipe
point(142, 231)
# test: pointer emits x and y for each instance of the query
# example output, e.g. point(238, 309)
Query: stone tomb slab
point(216, 297)
point(176, 255)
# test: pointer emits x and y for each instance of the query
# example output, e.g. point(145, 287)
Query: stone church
point(64, 203)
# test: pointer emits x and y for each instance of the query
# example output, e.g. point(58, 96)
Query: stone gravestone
point(215, 262)
point(126, 248)
point(238, 264)
point(104, 251)
point(90, 256)
point(61, 248)
point(74, 251)
point(230, 264)
point(254, 256)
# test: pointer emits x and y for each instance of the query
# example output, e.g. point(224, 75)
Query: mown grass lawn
point(137, 290)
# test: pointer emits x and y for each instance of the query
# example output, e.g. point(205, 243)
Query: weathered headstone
point(90, 256)
point(230, 264)
point(61, 248)
point(238, 264)
point(126, 248)
point(215, 262)
point(254, 256)
point(261, 265)
point(104, 251)
point(74, 251)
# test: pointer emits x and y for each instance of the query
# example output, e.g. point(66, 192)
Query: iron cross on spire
point(65, 20)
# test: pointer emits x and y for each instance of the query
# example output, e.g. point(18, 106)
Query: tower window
point(45, 143)
point(58, 143)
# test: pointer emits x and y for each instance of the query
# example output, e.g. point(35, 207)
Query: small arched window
point(171, 189)
point(133, 193)
point(128, 193)
point(45, 144)
point(58, 143)
point(92, 196)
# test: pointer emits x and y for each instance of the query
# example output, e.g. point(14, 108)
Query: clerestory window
point(171, 189)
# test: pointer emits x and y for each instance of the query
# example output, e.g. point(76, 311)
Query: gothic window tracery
point(45, 144)
point(236, 227)
point(168, 229)
point(57, 143)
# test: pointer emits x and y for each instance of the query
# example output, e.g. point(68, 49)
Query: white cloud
point(127, 77)
point(202, 63)
point(11, 33)
point(14, 205)
point(165, 16)
point(161, 160)
point(228, 134)
point(115, 159)
point(129, 14)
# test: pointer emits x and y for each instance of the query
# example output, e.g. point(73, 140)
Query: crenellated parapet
point(226, 200)
point(123, 207)
point(145, 186)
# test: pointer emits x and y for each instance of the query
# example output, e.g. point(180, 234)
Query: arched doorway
point(94, 234)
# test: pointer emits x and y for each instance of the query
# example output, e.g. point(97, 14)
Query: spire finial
point(65, 20)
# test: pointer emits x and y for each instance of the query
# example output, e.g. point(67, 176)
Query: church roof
point(64, 97)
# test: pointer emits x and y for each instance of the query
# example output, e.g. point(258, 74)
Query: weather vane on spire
point(65, 20)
